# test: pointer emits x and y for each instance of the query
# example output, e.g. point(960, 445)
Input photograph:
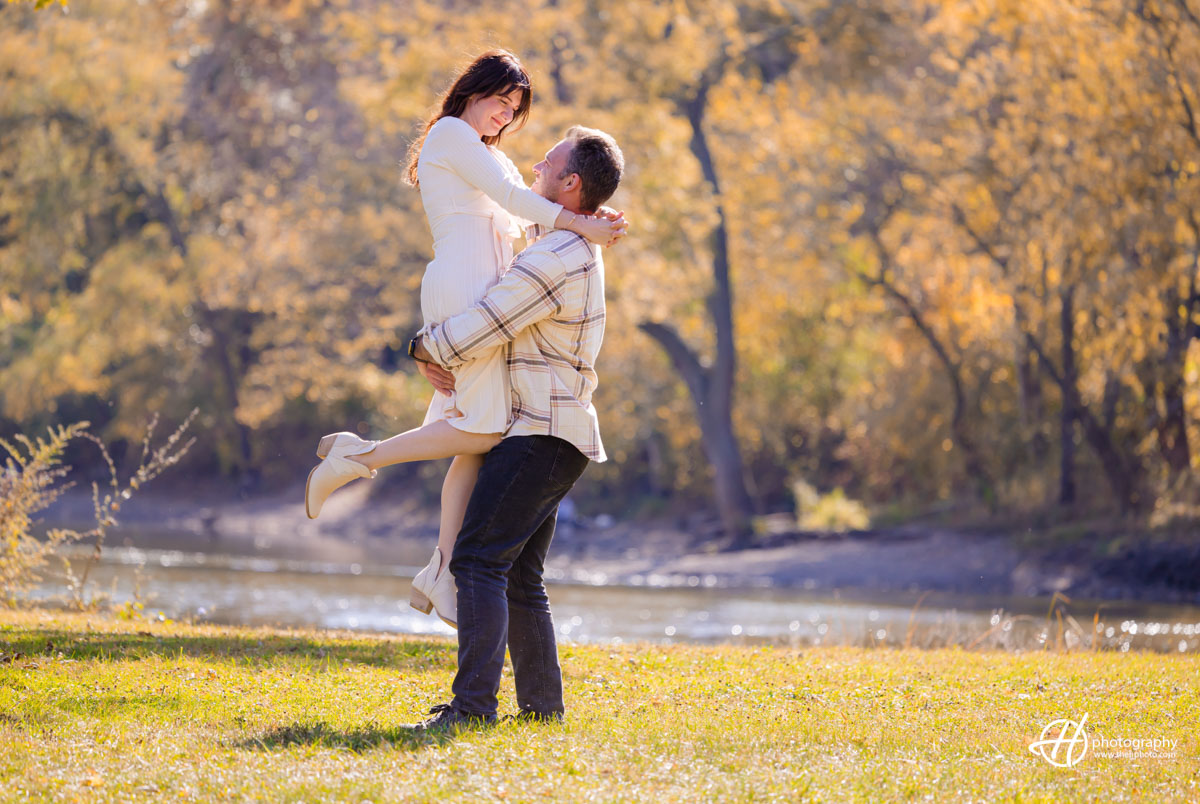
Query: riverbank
point(399, 529)
point(101, 709)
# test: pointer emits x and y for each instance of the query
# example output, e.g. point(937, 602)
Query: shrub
point(29, 484)
point(833, 512)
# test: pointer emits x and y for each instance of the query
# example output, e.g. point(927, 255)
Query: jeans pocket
point(568, 465)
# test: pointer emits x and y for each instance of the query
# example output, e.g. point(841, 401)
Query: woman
point(476, 202)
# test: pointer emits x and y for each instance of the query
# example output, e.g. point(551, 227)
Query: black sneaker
point(530, 716)
point(447, 718)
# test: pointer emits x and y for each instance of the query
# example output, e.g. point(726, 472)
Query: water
point(221, 589)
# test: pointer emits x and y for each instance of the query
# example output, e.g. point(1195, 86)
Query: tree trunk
point(711, 387)
point(1066, 472)
point(1123, 473)
point(972, 458)
point(733, 499)
point(220, 323)
point(716, 432)
point(1172, 429)
point(1029, 391)
point(1172, 422)
point(562, 91)
point(656, 464)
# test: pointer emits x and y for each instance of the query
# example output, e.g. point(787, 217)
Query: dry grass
point(93, 708)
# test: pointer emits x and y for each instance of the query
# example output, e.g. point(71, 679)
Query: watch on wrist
point(412, 348)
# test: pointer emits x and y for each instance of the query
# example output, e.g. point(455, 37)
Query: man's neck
point(538, 231)
point(571, 204)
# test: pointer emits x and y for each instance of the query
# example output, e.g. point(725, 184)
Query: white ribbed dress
point(476, 202)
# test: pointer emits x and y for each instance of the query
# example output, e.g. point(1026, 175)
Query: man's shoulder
point(570, 249)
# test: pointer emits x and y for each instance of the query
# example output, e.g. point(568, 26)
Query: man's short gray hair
point(598, 161)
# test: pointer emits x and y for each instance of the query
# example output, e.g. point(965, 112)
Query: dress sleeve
point(515, 172)
point(466, 155)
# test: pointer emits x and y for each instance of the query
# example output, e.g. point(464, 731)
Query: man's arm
point(530, 291)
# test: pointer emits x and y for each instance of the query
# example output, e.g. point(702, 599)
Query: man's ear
point(573, 181)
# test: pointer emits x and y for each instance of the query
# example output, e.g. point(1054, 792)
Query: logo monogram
point(1062, 734)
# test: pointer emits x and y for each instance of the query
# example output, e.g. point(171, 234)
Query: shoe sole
point(324, 445)
point(307, 485)
point(419, 602)
point(424, 605)
point(323, 448)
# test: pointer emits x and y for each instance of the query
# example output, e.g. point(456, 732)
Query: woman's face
point(489, 115)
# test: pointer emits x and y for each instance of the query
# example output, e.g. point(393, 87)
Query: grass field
point(94, 708)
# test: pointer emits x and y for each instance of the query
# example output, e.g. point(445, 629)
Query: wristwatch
point(412, 348)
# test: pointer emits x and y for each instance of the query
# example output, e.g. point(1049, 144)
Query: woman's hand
point(604, 228)
point(615, 218)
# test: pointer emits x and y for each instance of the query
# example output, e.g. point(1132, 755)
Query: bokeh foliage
point(962, 236)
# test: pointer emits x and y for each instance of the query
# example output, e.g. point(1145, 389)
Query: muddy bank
point(908, 559)
point(401, 530)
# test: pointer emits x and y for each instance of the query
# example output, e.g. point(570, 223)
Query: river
point(224, 589)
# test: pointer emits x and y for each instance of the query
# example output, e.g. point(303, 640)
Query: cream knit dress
point(476, 202)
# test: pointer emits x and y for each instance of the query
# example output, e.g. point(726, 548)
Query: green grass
point(95, 709)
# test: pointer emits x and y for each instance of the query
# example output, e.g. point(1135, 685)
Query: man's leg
point(531, 642)
point(520, 483)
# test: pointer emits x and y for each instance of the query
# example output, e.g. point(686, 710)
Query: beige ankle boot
point(336, 469)
point(434, 590)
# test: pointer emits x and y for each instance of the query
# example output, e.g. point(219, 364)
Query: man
point(547, 313)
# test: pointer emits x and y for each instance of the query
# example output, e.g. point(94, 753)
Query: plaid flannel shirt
point(547, 314)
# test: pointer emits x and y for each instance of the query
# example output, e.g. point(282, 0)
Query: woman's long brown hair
point(496, 72)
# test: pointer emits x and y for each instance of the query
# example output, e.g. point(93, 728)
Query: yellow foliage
point(979, 160)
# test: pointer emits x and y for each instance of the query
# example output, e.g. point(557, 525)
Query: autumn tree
point(939, 254)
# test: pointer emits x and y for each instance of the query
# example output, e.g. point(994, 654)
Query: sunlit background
point(892, 264)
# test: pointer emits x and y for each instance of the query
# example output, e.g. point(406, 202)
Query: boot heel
point(419, 602)
point(325, 444)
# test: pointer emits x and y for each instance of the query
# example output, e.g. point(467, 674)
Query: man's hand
point(438, 377)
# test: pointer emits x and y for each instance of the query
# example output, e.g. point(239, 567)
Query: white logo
point(1062, 734)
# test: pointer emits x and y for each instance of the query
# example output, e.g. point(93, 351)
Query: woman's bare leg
point(433, 441)
point(456, 493)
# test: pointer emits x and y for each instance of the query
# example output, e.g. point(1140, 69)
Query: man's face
point(546, 181)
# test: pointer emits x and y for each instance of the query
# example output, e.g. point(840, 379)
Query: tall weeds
point(31, 480)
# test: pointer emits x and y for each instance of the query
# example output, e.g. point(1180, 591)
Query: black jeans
point(497, 564)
